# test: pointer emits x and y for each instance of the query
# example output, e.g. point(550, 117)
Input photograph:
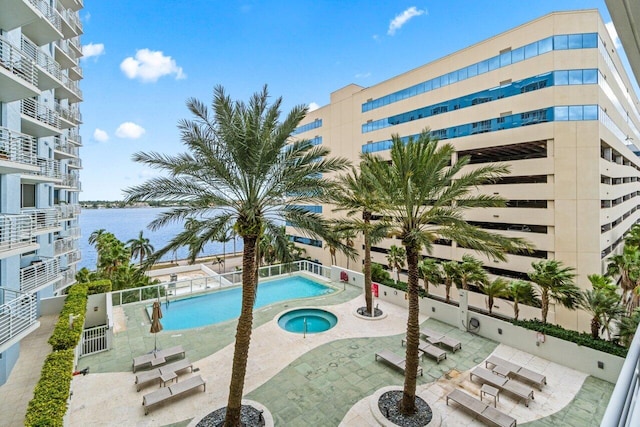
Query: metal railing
point(204, 284)
point(63, 45)
point(65, 245)
point(68, 278)
point(17, 62)
point(73, 257)
point(38, 274)
point(43, 219)
point(66, 212)
point(18, 147)
point(70, 180)
point(49, 12)
point(42, 60)
point(70, 115)
point(16, 231)
point(74, 232)
point(40, 112)
point(65, 147)
point(78, 71)
point(75, 163)
point(94, 340)
point(17, 313)
point(74, 137)
point(49, 168)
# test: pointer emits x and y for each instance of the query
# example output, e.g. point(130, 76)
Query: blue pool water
point(307, 320)
point(225, 305)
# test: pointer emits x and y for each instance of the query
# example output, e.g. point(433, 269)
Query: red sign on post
point(374, 289)
point(344, 277)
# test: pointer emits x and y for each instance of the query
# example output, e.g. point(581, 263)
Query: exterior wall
point(39, 159)
point(587, 193)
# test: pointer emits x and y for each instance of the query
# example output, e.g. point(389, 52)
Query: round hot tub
point(307, 320)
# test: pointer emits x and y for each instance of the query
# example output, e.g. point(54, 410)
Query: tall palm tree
point(470, 271)
point(140, 247)
point(243, 169)
point(450, 273)
point(95, 235)
point(628, 326)
point(521, 292)
point(356, 196)
point(627, 266)
point(556, 283)
point(426, 196)
point(396, 259)
point(632, 238)
point(602, 303)
point(496, 288)
point(347, 237)
point(430, 272)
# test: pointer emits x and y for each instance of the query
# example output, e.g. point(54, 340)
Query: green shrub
point(580, 338)
point(49, 403)
point(99, 287)
point(63, 336)
point(379, 274)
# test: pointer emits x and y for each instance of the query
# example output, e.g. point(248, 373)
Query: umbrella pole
point(155, 343)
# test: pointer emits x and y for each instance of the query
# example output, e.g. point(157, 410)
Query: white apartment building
point(549, 98)
point(39, 161)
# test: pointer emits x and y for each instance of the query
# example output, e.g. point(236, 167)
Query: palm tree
point(521, 292)
point(95, 235)
point(450, 272)
point(431, 273)
point(357, 197)
point(555, 283)
point(602, 303)
point(425, 196)
point(140, 247)
point(496, 288)
point(347, 237)
point(396, 259)
point(225, 236)
point(628, 326)
point(627, 266)
point(243, 169)
point(632, 238)
point(470, 271)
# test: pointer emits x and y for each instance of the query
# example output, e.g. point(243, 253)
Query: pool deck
point(325, 379)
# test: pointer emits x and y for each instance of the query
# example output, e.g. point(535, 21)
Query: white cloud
point(404, 17)
point(313, 106)
point(149, 66)
point(130, 130)
point(91, 49)
point(375, 37)
point(100, 135)
point(614, 34)
point(363, 75)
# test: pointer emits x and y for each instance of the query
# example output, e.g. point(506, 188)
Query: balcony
point(69, 117)
point(16, 235)
point(38, 119)
point(70, 182)
point(63, 246)
point(44, 220)
point(74, 164)
point(69, 90)
point(18, 316)
point(74, 137)
point(73, 257)
point(68, 212)
point(64, 55)
point(74, 232)
point(74, 44)
point(69, 22)
point(47, 27)
point(64, 150)
point(18, 75)
point(40, 274)
point(16, 13)
point(49, 171)
point(74, 5)
point(68, 279)
point(49, 73)
point(17, 152)
point(75, 73)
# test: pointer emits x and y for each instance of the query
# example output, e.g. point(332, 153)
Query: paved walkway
point(322, 380)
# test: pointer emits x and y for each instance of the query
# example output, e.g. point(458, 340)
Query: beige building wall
point(591, 191)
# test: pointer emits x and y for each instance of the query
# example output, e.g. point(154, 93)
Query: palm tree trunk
point(490, 304)
point(544, 299)
point(408, 405)
point(368, 295)
point(465, 286)
point(243, 333)
point(447, 288)
point(595, 328)
point(516, 309)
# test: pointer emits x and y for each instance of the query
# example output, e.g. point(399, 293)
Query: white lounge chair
point(157, 358)
point(394, 360)
point(484, 411)
point(517, 371)
point(430, 350)
point(435, 337)
point(163, 372)
point(503, 383)
point(164, 394)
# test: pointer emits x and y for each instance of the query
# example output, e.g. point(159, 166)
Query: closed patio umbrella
point(156, 326)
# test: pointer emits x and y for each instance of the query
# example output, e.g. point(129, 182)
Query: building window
point(28, 196)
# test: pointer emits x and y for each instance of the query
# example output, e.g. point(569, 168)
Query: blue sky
point(144, 59)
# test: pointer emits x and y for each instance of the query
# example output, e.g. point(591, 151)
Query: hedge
point(49, 403)
point(64, 337)
point(99, 287)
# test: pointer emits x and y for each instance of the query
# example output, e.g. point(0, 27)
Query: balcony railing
point(49, 12)
point(64, 46)
point(74, 137)
point(68, 279)
point(36, 110)
point(65, 245)
point(75, 163)
point(17, 62)
point(65, 147)
point(42, 60)
point(16, 231)
point(69, 114)
point(49, 168)
point(67, 212)
point(17, 313)
point(39, 274)
point(73, 257)
point(70, 180)
point(43, 219)
point(18, 147)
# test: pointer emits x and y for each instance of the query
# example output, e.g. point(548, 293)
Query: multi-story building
point(39, 161)
point(550, 99)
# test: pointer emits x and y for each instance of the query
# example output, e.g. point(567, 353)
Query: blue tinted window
point(575, 112)
point(545, 45)
point(589, 76)
point(561, 77)
point(435, 83)
point(575, 77)
point(590, 40)
point(517, 55)
point(428, 85)
point(560, 42)
point(590, 112)
point(453, 77)
point(494, 63)
point(561, 113)
point(575, 41)
point(483, 66)
point(462, 74)
point(472, 70)
point(531, 50)
point(505, 59)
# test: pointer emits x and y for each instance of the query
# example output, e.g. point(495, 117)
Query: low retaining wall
point(593, 362)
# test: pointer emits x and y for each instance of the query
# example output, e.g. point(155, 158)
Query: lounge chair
point(503, 383)
point(484, 411)
point(164, 394)
point(517, 371)
point(157, 358)
point(394, 359)
point(435, 337)
point(430, 350)
point(161, 373)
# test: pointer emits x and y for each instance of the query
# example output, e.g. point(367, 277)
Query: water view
point(126, 223)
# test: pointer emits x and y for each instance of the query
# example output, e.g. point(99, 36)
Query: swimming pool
point(224, 305)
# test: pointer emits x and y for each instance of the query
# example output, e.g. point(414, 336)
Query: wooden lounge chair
point(435, 337)
point(484, 411)
point(430, 350)
point(157, 358)
point(164, 394)
point(503, 383)
point(517, 371)
point(394, 360)
point(163, 372)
